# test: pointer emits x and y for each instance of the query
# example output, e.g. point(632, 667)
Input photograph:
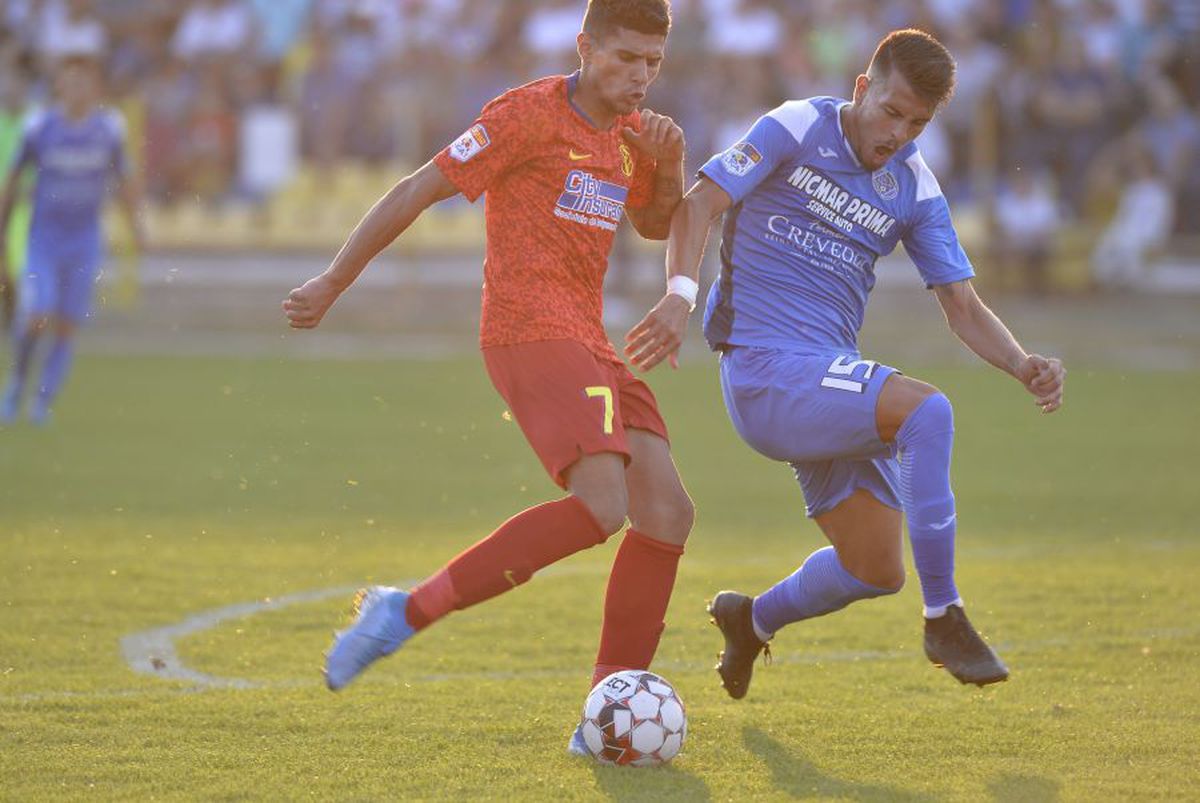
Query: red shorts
point(570, 403)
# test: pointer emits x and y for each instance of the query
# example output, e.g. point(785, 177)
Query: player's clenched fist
point(306, 306)
point(1044, 377)
point(659, 138)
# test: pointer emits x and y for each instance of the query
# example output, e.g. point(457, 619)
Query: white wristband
point(685, 288)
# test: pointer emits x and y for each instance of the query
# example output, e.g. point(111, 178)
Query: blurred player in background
point(814, 193)
point(562, 160)
point(76, 149)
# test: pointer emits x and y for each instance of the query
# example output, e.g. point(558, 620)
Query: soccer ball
point(634, 717)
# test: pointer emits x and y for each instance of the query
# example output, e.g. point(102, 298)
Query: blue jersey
point(808, 223)
point(74, 162)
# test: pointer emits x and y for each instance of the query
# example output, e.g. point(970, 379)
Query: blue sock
point(820, 586)
point(54, 373)
point(925, 441)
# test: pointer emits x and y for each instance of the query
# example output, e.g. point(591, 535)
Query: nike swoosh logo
point(826, 152)
point(575, 157)
point(949, 520)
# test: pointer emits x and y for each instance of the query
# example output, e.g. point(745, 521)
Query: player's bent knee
point(609, 511)
point(936, 413)
point(668, 519)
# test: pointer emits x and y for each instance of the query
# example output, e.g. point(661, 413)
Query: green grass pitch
point(171, 487)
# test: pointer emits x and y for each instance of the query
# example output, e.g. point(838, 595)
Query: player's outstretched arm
point(662, 140)
point(986, 335)
point(657, 337)
point(305, 306)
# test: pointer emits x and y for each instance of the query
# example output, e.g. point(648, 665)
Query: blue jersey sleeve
point(933, 246)
point(930, 240)
point(747, 163)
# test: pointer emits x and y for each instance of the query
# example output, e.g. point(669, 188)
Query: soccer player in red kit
point(561, 159)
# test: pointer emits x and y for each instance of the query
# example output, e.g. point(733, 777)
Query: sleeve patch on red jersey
point(470, 143)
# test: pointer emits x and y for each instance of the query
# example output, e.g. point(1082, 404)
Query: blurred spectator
point(210, 152)
point(748, 93)
point(1170, 133)
point(326, 102)
point(934, 143)
point(1152, 40)
point(746, 28)
point(1026, 222)
point(280, 24)
point(550, 33)
point(268, 139)
point(19, 18)
point(1102, 33)
point(830, 39)
point(1141, 224)
point(220, 31)
point(979, 63)
point(70, 26)
point(168, 96)
point(1070, 105)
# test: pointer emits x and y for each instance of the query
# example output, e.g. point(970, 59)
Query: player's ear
point(861, 85)
point(584, 46)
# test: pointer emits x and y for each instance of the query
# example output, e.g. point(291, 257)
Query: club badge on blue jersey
point(885, 184)
point(741, 159)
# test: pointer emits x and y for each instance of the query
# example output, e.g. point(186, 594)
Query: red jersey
point(557, 188)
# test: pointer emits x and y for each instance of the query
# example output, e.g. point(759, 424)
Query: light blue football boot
point(379, 628)
point(577, 746)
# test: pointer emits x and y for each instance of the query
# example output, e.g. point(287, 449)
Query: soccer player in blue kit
point(812, 196)
point(75, 149)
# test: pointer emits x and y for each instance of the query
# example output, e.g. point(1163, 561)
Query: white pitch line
point(152, 652)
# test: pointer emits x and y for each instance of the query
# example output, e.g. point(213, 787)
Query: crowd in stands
point(1065, 111)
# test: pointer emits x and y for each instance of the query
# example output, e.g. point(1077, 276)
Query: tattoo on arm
point(654, 219)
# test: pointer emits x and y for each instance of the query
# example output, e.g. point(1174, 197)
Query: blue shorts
point(817, 413)
point(60, 277)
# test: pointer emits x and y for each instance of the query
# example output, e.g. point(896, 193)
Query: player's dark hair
point(644, 16)
point(923, 61)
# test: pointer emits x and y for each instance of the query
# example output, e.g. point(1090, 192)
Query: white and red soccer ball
point(634, 717)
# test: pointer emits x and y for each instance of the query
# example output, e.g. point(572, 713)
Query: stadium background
point(195, 464)
point(271, 125)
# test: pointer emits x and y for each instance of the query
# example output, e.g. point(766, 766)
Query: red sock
point(639, 588)
point(530, 540)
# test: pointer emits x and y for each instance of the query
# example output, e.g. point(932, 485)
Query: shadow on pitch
point(650, 783)
point(1023, 788)
point(797, 777)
